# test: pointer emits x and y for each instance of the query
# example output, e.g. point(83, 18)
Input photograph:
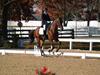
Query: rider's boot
point(45, 35)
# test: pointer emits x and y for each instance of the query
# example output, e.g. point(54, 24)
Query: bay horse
point(52, 33)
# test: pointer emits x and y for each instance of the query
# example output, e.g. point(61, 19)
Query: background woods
point(17, 10)
point(69, 9)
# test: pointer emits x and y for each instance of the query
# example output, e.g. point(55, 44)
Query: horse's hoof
point(61, 54)
point(49, 51)
point(42, 54)
point(57, 50)
point(53, 53)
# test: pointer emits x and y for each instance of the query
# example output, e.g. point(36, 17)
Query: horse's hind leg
point(41, 48)
point(42, 52)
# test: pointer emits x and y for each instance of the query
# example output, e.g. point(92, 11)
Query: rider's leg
point(45, 31)
point(45, 34)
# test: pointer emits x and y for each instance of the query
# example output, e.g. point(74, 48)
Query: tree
point(12, 10)
point(56, 8)
point(4, 20)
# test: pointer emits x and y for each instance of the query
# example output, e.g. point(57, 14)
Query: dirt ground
point(16, 64)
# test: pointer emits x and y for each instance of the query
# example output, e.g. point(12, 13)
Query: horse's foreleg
point(59, 43)
point(61, 53)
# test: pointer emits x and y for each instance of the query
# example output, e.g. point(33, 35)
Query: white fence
point(90, 41)
point(80, 27)
point(37, 53)
point(70, 25)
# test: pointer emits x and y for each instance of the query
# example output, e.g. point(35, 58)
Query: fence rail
point(66, 33)
point(23, 34)
point(90, 41)
point(37, 53)
point(87, 31)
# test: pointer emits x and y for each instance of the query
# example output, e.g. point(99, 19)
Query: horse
point(52, 33)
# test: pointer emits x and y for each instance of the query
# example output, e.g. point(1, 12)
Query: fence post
point(70, 45)
point(90, 47)
point(72, 33)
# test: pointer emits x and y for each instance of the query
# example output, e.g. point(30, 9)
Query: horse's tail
point(31, 36)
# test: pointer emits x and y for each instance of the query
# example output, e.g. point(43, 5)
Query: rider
point(45, 20)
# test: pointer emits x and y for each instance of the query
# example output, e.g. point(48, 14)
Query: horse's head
point(59, 23)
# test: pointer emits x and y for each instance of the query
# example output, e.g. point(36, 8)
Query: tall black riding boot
point(45, 35)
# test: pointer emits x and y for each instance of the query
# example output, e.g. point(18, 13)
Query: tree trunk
point(4, 20)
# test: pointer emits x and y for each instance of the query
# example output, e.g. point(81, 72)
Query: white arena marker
point(83, 56)
point(37, 51)
point(3, 52)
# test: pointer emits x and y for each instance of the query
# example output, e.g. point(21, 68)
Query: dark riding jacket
point(45, 18)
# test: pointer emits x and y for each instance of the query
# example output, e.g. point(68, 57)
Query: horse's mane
point(52, 27)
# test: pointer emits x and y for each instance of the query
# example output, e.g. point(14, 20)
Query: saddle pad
point(44, 27)
point(41, 31)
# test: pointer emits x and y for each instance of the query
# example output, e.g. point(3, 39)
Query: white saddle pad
point(41, 31)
